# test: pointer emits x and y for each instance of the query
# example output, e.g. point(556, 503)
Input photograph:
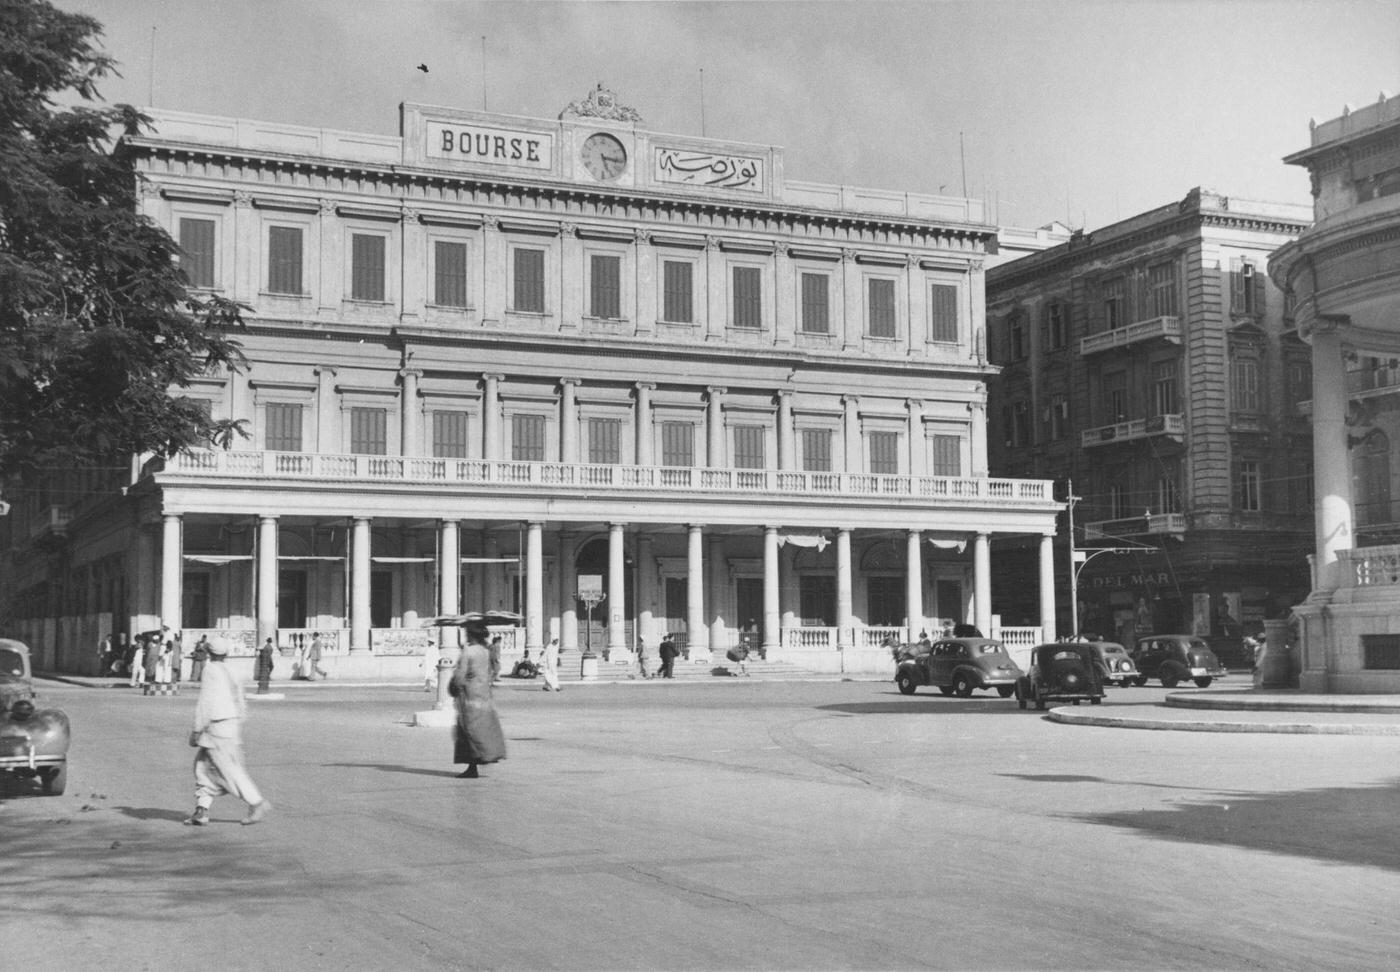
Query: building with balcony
point(1151, 364)
point(494, 362)
point(1344, 279)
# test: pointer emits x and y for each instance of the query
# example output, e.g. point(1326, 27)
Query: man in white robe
point(218, 734)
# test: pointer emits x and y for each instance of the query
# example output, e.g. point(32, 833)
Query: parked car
point(1061, 672)
point(33, 740)
point(960, 666)
point(1115, 664)
point(1175, 658)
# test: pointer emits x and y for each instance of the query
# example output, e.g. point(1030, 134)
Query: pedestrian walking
point(549, 659)
point(150, 663)
point(104, 655)
point(218, 735)
point(495, 650)
point(262, 668)
point(303, 663)
point(165, 647)
point(478, 737)
point(136, 660)
point(313, 658)
point(667, 651)
point(198, 657)
point(431, 654)
point(177, 657)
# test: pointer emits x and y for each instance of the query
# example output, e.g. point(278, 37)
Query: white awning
point(818, 540)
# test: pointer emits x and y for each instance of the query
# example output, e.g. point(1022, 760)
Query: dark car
point(1115, 664)
point(33, 740)
point(960, 666)
point(1176, 658)
point(1061, 672)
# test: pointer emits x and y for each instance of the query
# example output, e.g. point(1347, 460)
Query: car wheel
point(1141, 681)
point(1204, 682)
point(56, 780)
point(946, 689)
point(1169, 679)
point(962, 686)
point(906, 683)
point(1005, 690)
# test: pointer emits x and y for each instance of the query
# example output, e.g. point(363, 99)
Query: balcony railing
point(318, 469)
point(1151, 524)
point(1169, 425)
point(1166, 327)
point(1370, 566)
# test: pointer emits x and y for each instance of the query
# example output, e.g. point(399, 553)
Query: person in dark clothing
point(668, 653)
point(263, 670)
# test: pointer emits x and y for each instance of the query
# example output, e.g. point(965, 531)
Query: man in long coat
point(479, 738)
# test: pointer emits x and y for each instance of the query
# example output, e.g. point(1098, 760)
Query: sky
point(1082, 111)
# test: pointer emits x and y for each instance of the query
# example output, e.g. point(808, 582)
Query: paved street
point(733, 824)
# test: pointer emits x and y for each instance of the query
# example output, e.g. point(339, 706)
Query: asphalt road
point(726, 825)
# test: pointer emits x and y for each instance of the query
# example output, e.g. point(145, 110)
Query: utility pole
point(1075, 558)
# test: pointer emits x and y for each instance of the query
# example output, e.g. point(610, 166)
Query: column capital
point(414, 373)
point(850, 401)
point(613, 525)
point(323, 371)
point(448, 521)
point(492, 376)
point(645, 385)
point(914, 404)
point(571, 381)
point(783, 393)
point(267, 518)
point(714, 390)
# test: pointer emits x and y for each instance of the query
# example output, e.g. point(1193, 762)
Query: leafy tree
point(97, 324)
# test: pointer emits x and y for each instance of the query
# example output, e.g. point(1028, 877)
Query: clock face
point(603, 156)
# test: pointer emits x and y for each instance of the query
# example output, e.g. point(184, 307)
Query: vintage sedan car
point(33, 740)
point(1115, 664)
point(1064, 671)
point(960, 666)
point(1175, 658)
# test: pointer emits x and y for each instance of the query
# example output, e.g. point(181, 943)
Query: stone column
point(845, 635)
point(642, 455)
point(719, 636)
point(1047, 588)
point(568, 420)
point(918, 459)
point(491, 416)
point(534, 587)
point(617, 593)
point(172, 565)
point(490, 573)
point(851, 434)
point(646, 591)
point(977, 414)
point(982, 583)
point(449, 567)
point(772, 610)
point(568, 587)
point(787, 435)
point(143, 573)
point(697, 634)
point(267, 579)
point(326, 439)
point(410, 414)
point(788, 595)
point(714, 427)
point(359, 585)
point(1331, 466)
point(914, 581)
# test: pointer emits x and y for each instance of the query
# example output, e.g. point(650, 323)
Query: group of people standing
point(153, 656)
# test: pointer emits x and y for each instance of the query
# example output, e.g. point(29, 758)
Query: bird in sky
point(423, 68)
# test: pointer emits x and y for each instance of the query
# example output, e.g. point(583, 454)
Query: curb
point(1070, 717)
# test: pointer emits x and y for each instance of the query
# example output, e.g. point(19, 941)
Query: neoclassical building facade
point(500, 362)
point(1343, 276)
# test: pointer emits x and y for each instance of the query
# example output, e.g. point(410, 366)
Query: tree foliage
point(97, 325)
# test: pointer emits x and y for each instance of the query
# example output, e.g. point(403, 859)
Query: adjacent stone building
point(1344, 279)
point(1152, 365)
point(497, 362)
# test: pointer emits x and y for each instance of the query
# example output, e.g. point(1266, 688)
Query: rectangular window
point(527, 438)
point(366, 267)
point(882, 317)
point(605, 441)
point(816, 306)
point(1117, 501)
point(197, 251)
point(748, 447)
point(1020, 424)
point(1168, 494)
point(1059, 417)
point(816, 450)
point(449, 274)
point(677, 443)
point(284, 260)
point(283, 433)
point(1164, 389)
point(884, 453)
point(450, 435)
point(1250, 485)
point(1246, 287)
point(369, 432)
point(943, 313)
point(1016, 337)
point(677, 291)
point(529, 280)
point(1056, 324)
point(1244, 385)
point(1161, 290)
point(1299, 381)
point(946, 455)
point(1115, 397)
point(605, 286)
point(1115, 301)
point(748, 297)
point(1380, 652)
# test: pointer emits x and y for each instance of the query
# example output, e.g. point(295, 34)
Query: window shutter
point(816, 450)
point(677, 443)
point(368, 435)
point(529, 281)
point(677, 296)
point(367, 267)
point(450, 435)
point(283, 433)
point(943, 313)
point(748, 297)
point(197, 251)
point(884, 453)
point(605, 441)
point(284, 260)
point(527, 438)
point(748, 447)
point(450, 274)
point(882, 314)
point(947, 455)
point(816, 315)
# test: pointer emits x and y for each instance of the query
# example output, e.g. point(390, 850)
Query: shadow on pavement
point(1075, 778)
point(152, 813)
point(898, 704)
point(394, 768)
point(1347, 825)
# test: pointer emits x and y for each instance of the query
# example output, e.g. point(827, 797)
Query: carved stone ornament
point(601, 103)
point(568, 229)
point(146, 189)
point(327, 207)
point(242, 199)
point(848, 256)
point(641, 236)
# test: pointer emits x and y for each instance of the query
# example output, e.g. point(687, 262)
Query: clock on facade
point(604, 156)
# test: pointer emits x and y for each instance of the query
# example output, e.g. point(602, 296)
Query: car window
point(11, 662)
point(987, 649)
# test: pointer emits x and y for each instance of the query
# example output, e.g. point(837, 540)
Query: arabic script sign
point(709, 169)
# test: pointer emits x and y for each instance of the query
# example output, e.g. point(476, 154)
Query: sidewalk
point(1278, 711)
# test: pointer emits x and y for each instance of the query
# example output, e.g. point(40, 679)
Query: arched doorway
point(592, 559)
